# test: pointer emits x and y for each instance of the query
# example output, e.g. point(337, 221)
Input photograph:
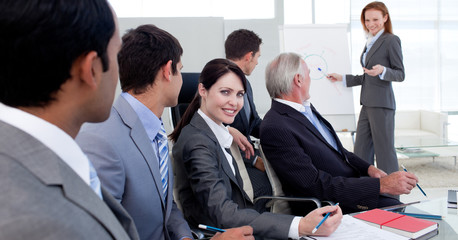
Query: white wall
point(203, 39)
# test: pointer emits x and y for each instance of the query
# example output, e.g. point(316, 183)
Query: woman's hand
point(334, 77)
point(375, 71)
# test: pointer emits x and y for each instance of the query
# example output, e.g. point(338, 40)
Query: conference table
point(448, 226)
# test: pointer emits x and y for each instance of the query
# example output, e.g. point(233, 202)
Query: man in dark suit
point(306, 153)
point(243, 48)
point(58, 70)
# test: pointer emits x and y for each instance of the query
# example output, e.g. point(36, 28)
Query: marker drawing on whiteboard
point(333, 83)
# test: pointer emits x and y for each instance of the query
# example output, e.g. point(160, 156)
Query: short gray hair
point(280, 73)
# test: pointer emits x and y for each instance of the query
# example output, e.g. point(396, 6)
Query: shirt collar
point(221, 132)
point(150, 121)
point(62, 144)
point(295, 105)
point(374, 38)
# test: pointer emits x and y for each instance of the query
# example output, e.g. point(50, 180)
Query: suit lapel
point(374, 48)
point(250, 101)
point(246, 118)
point(289, 111)
point(141, 140)
point(53, 171)
point(361, 57)
point(294, 114)
point(199, 123)
point(339, 144)
point(331, 130)
point(82, 195)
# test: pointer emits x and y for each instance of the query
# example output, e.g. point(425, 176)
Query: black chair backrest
point(187, 93)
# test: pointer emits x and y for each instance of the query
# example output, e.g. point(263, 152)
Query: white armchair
point(420, 128)
point(421, 123)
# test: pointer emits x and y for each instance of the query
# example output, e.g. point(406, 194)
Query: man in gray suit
point(124, 148)
point(58, 70)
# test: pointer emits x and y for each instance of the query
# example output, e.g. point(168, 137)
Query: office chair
point(187, 93)
point(279, 203)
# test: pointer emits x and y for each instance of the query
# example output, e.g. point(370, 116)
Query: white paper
point(354, 229)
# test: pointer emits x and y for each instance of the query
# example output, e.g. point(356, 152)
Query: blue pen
point(322, 220)
point(321, 70)
point(201, 226)
point(419, 215)
point(417, 183)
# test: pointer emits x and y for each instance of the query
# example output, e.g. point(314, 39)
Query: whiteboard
point(324, 47)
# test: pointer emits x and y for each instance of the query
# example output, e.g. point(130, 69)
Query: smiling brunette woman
point(208, 181)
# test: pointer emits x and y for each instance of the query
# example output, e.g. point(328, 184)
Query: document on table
point(353, 229)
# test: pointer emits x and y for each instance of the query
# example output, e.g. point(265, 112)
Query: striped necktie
point(161, 140)
point(94, 180)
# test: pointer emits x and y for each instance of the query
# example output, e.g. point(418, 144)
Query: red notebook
point(394, 222)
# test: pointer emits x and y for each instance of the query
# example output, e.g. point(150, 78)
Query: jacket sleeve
point(177, 225)
point(294, 166)
point(354, 80)
point(395, 70)
point(210, 186)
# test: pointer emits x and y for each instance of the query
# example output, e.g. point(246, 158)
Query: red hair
point(380, 7)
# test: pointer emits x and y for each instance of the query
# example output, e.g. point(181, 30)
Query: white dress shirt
point(62, 144)
point(225, 141)
point(371, 39)
point(222, 135)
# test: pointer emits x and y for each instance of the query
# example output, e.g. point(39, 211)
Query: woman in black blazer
point(208, 181)
point(382, 64)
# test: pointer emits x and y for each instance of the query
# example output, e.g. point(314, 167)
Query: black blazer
point(248, 126)
point(208, 190)
point(308, 166)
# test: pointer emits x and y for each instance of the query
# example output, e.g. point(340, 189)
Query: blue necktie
point(94, 180)
point(161, 139)
point(309, 114)
point(324, 131)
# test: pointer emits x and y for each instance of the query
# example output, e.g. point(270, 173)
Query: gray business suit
point(43, 198)
point(208, 190)
point(375, 131)
point(129, 169)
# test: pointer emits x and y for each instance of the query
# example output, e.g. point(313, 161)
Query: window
point(234, 9)
point(318, 12)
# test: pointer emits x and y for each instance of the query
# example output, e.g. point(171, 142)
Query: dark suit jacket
point(208, 190)
point(43, 198)
point(387, 52)
point(129, 169)
point(248, 126)
point(308, 166)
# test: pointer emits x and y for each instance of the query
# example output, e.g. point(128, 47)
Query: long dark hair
point(212, 71)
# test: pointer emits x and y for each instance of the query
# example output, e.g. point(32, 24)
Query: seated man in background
point(307, 155)
point(243, 47)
